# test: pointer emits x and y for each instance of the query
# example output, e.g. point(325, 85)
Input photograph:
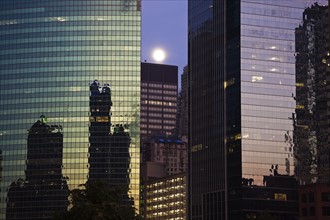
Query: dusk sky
point(164, 25)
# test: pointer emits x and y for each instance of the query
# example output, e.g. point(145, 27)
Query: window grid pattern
point(51, 51)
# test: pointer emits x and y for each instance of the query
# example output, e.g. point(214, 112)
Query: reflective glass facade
point(51, 54)
point(242, 86)
point(311, 124)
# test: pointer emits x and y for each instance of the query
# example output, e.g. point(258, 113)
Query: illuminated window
point(300, 84)
point(280, 196)
point(300, 106)
point(257, 78)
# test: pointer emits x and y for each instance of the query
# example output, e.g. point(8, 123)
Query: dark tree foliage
point(98, 200)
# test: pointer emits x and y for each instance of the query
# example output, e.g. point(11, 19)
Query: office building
point(50, 53)
point(314, 201)
point(311, 124)
point(162, 156)
point(166, 198)
point(311, 128)
point(159, 95)
point(242, 85)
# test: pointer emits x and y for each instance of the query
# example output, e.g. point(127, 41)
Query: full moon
point(158, 55)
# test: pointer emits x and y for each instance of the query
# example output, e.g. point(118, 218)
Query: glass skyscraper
point(311, 127)
point(53, 54)
point(242, 90)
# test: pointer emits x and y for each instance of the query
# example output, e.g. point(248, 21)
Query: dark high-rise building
point(159, 95)
point(183, 108)
point(311, 128)
point(50, 51)
point(242, 83)
point(1, 165)
point(311, 125)
point(120, 155)
point(109, 156)
point(100, 131)
point(38, 196)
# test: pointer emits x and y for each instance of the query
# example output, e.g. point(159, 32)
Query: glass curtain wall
point(207, 172)
point(242, 90)
point(51, 53)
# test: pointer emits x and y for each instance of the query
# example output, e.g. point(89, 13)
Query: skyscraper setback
point(242, 88)
point(50, 52)
point(100, 123)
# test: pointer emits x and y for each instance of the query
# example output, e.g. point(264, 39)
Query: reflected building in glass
point(311, 124)
point(311, 130)
point(50, 52)
point(99, 131)
point(38, 195)
point(242, 89)
point(109, 157)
